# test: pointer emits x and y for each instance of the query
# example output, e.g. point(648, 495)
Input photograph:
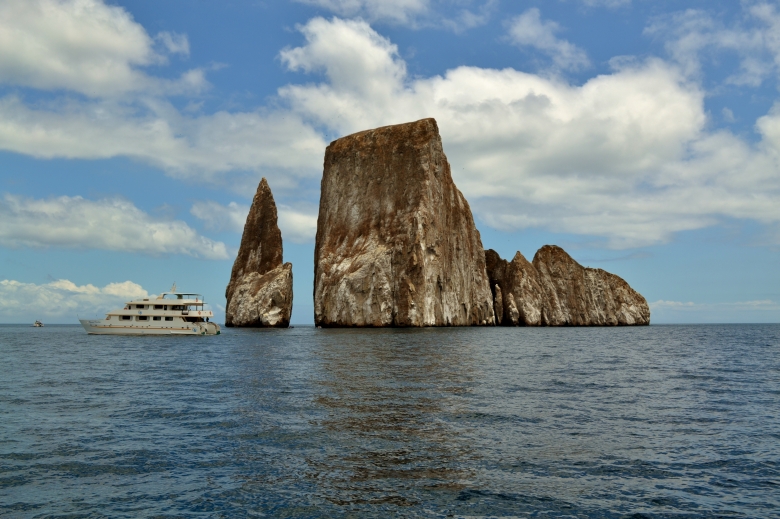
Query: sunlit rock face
point(396, 241)
point(260, 290)
point(579, 296)
point(555, 290)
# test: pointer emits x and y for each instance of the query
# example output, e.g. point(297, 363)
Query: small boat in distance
point(171, 313)
point(37, 324)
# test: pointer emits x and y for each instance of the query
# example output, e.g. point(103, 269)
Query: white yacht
point(171, 313)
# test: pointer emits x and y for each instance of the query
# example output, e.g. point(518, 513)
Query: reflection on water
point(657, 421)
point(388, 395)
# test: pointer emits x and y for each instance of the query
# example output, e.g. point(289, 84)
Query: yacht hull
point(99, 327)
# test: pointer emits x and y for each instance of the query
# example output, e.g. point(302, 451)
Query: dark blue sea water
point(659, 421)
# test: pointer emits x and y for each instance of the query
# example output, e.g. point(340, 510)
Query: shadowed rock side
point(555, 290)
point(521, 293)
point(396, 242)
point(260, 290)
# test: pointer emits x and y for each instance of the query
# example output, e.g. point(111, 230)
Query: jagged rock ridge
point(260, 290)
point(396, 242)
point(555, 290)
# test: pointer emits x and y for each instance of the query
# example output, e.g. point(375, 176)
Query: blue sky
point(642, 136)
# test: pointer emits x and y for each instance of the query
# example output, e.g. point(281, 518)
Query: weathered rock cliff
point(521, 292)
point(555, 290)
point(396, 242)
point(260, 290)
point(579, 296)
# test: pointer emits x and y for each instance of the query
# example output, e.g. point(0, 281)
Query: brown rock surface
point(396, 242)
point(579, 296)
point(522, 294)
point(555, 290)
point(260, 290)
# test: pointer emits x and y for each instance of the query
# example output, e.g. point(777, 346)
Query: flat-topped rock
point(396, 242)
point(260, 290)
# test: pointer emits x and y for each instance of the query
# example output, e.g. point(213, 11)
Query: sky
point(642, 136)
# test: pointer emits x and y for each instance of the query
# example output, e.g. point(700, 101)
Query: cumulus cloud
point(298, 224)
point(400, 11)
point(606, 3)
point(218, 217)
point(110, 224)
point(528, 30)
point(62, 299)
point(95, 49)
point(83, 46)
point(693, 36)
point(626, 156)
point(203, 147)
point(456, 15)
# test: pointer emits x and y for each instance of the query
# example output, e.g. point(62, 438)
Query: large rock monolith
point(396, 242)
point(260, 292)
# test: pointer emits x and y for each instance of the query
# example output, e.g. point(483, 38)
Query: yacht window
point(143, 317)
point(156, 318)
point(127, 317)
point(169, 318)
point(158, 307)
point(140, 306)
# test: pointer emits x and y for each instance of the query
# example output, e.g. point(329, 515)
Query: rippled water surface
point(659, 421)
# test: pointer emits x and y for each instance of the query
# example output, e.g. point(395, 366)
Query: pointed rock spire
point(260, 290)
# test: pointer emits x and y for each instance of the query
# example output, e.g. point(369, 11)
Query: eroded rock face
point(396, 242)
point(519, 283)
point(579, 296)
point(555, 290)
point(260, 290)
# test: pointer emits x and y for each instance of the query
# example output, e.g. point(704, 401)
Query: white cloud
point(692, 36)
point(399, 11)
point(626, 155)
point(111, 224)
point(456, 15)
point(84, 46)
point(528, 30)
point(606, 3)
point(174, 43)
point(298, 224)
point(203, 147)
point(62, 299)
point(759, 311)
point(218, 217)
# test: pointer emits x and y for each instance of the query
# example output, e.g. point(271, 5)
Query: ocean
point(658, 421)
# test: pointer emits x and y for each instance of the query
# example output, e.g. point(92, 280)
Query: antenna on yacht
point(173, 288)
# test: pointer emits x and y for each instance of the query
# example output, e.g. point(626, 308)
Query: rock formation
point(396, 242)
point(521, 291)
point(557, 291)
point(260, 290)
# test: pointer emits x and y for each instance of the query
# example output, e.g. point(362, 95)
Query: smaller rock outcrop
point(579, 296)
point(555, 290)
point(522, 295)
point(260, 291)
